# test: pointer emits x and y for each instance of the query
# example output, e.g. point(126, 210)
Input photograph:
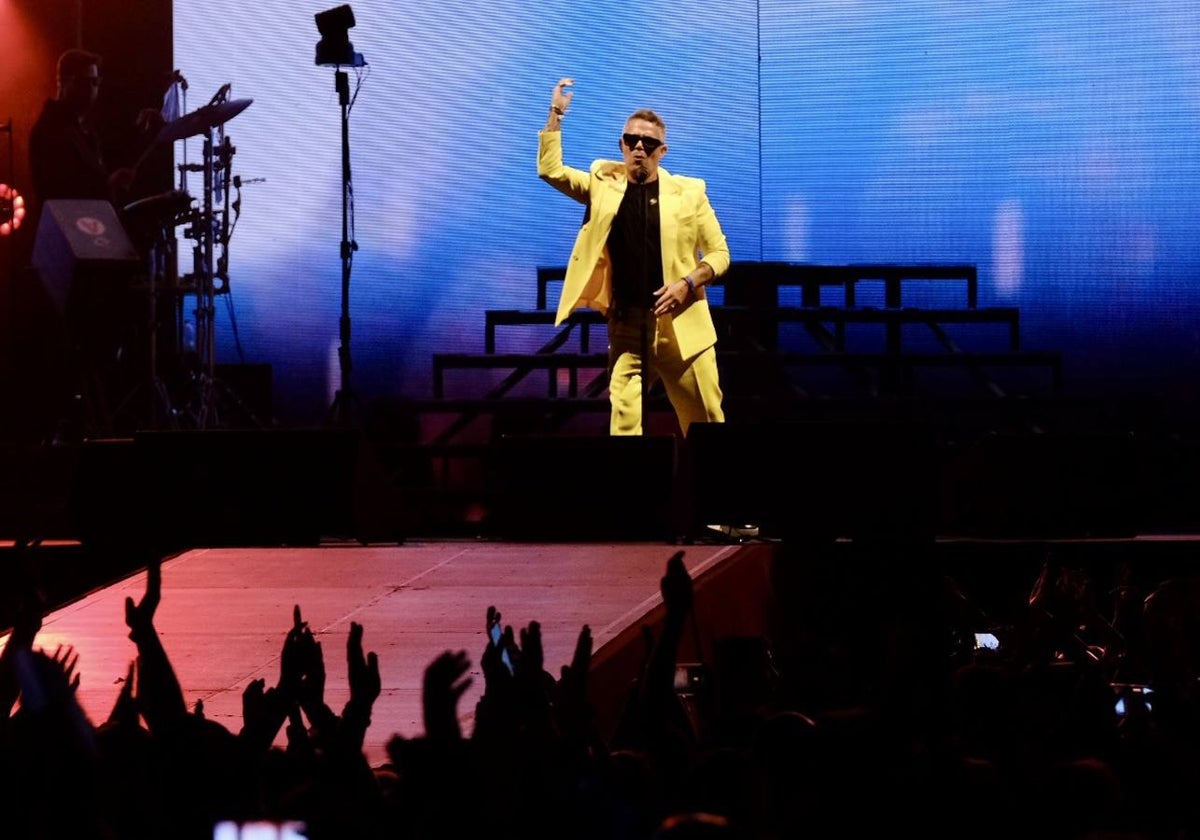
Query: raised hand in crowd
point(573, 714)
point(51, 764)
point(537, 684)
point(159, 695)
point(26, 624)
point(365, 687)
point(537, 691)
point(302, 689)
point(47, 680)
point(533, 657)
point(444, 684)
point(501, 651)
point(66, 659)
point(518, 701)
point(1063, 618)
point(124, 713)
point(139, 617)
point(654, 719)
point(263, 712)
point(299, 745)
point(677, 595)
point(435, 768)
point(497, 708)
point(302, 676)
point(265, 709)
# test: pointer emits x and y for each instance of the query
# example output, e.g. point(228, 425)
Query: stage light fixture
point(334, 49)
point(12, 209)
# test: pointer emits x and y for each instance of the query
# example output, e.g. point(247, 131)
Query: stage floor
point(225, 613)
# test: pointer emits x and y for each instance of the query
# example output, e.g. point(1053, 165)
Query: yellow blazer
point(689, 229)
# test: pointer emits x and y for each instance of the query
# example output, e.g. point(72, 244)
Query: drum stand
point(209, 278)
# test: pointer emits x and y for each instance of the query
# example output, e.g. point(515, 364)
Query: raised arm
point(26, 624)
point(365, 687)
point(445, 682)
point(569, 181)
point(574, 715)
point(266, 709)
point(676, 587)
point(560, 103)
point(656, 721)
point(306, 663)
point(159, 694)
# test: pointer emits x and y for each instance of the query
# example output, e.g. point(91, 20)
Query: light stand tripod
point(335, 50)
point(344, 411)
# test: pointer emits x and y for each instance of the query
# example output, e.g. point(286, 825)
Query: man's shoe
point(735, 532)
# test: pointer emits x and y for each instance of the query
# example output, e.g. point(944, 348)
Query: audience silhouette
point(866, 710)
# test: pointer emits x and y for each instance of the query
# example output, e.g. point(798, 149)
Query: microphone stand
point(342, 413)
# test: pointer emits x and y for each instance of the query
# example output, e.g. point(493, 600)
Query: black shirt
point(635, 248)
point(65, 156)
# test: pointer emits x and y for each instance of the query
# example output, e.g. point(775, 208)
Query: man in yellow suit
point(649, 244)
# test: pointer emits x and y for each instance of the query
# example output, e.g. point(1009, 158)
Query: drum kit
point(207, 221)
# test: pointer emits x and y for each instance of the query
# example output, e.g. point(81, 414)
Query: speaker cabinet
point(82, 254)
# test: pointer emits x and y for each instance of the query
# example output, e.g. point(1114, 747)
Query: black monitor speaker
point(82, 254)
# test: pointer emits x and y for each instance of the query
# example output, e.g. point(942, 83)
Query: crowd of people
point(882, 700)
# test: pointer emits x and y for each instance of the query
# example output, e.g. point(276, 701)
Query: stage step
point(901, 366)
point(730, 320)
point(759, 282)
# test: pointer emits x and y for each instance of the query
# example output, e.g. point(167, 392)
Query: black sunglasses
point(648, 143)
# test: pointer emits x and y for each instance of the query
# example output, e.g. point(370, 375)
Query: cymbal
point(202, 119)
point(167, 205)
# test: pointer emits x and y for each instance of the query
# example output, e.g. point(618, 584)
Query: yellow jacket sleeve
point(565, 179)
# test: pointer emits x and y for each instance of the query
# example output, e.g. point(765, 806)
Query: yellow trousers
point(692, 385)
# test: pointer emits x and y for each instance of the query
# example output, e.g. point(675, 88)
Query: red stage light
point(12, 209)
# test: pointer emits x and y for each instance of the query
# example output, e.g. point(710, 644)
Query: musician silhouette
point(100, 351)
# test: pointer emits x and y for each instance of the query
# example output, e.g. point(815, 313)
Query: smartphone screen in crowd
point(260, 830)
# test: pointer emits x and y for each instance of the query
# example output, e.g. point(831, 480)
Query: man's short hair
point(650, 117)
point(73, 63)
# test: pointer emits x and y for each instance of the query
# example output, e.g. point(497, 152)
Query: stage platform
point(225, 613)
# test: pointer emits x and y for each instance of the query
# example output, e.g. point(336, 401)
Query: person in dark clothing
point(96, 362)
point(65, 152)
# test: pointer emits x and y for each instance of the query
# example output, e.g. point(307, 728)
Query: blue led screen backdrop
point(1054, 146)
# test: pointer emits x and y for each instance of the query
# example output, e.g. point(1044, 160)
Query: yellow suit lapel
point(669, 200)
point(611, 190)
